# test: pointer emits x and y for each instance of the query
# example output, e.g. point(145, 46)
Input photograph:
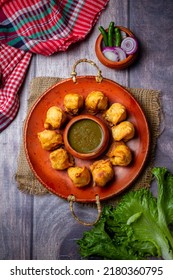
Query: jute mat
point(150, 103)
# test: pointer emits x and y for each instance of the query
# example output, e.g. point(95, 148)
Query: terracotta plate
point(57, 181)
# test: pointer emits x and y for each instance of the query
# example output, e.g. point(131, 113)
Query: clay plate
point(57, 181)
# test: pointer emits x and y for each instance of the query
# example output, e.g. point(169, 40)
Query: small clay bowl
point(111, 64)
point(86, 136)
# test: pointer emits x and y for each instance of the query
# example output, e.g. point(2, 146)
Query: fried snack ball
point(55, 118)
point(115, 114)
point(61, 159)
point(50, 139)
point(102, 172)
point(73, 102)
point(123, 131)
point(95, 102)
point(120, 154)
point(80, 176)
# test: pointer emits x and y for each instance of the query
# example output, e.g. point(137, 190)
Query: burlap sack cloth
point(148, 100)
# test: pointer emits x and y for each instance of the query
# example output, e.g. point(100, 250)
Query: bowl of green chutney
point(86, 136)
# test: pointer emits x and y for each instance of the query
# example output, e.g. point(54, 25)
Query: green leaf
point(97, 242)
point(133, 218)
point(165, 201)
point(146, 228)
point(165, 192)
point(137, 227)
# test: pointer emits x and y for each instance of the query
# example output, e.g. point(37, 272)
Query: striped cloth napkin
point(40, 27)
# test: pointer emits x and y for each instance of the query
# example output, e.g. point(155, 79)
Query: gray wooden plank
point(55, 231)
point(153, 24)
point(15, 207)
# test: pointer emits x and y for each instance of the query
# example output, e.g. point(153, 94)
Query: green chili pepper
point(110, 34)
point(104, 34)
point(118, 38)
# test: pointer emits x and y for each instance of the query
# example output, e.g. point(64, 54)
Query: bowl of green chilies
point(116, 47)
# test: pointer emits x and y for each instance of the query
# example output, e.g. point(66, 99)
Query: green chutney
point(85, 136)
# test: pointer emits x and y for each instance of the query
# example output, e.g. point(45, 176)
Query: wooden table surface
point(42, 227)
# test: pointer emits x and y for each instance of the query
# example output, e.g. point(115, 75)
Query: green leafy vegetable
point(137, 228)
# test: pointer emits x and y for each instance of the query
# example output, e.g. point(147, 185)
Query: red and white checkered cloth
point(37, 26)
point(14, 64)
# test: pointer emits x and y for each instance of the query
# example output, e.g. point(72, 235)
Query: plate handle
point(71, 199)
point(99, 76)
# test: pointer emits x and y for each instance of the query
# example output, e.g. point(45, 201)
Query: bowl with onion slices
point(116, 47)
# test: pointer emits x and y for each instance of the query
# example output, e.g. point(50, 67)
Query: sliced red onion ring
point(121, 53)
point(129, 45)
point(110, 53)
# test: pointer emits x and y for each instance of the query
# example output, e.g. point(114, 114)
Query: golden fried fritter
point(80, 176)
point(120, 154)
point(50, 139)
point(55, 118)
point(102, 172)
point(61, 159)
point(73, 102)
point(123, 131)
point(115, 114)
point(95, 102)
